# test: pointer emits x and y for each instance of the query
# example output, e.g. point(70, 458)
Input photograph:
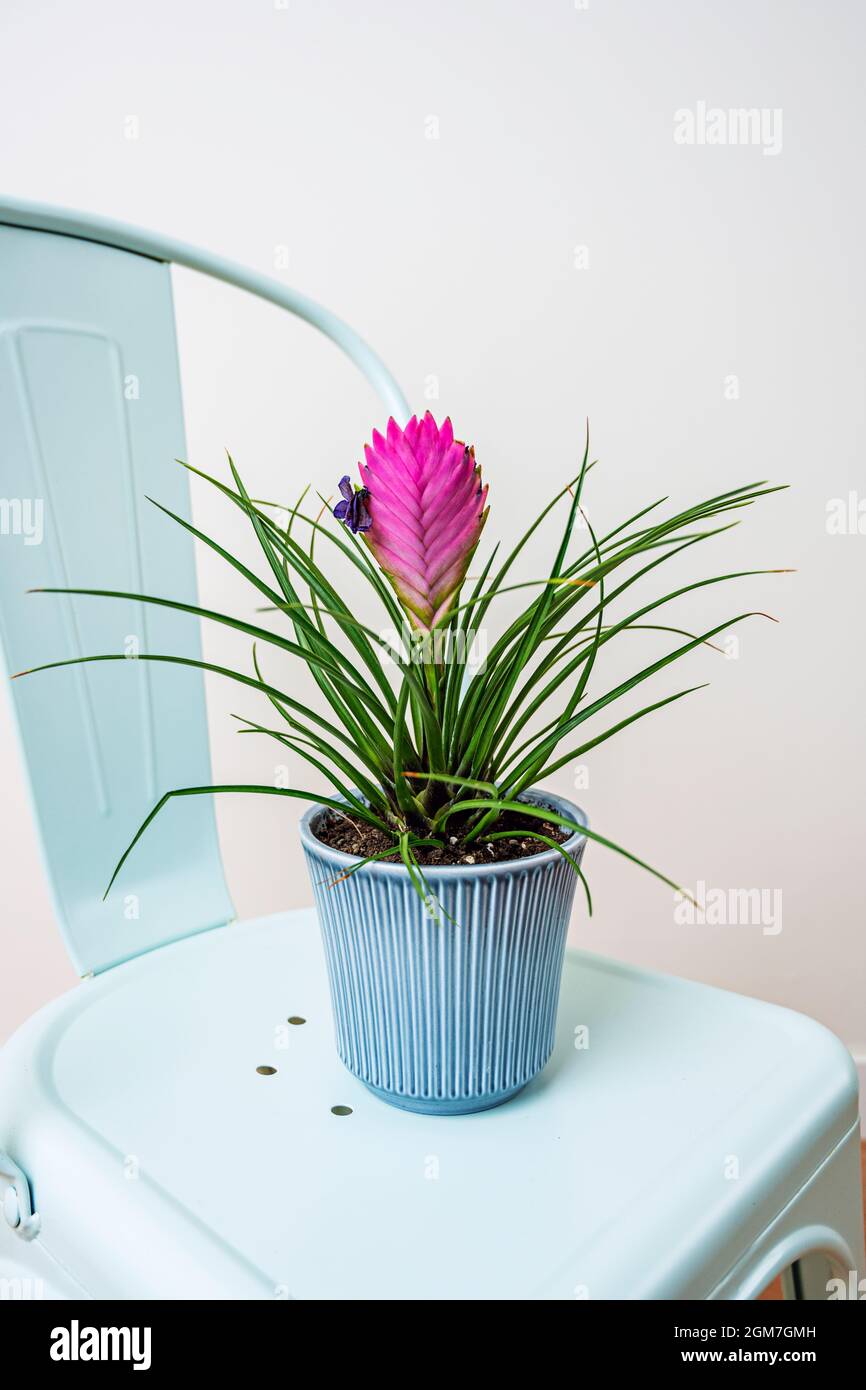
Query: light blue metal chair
point(703, 1142)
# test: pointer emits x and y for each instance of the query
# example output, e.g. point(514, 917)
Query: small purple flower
point(352, 510)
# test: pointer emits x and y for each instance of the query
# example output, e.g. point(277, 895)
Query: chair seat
point(672, 1126)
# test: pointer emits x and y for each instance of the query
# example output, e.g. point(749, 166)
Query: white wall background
point(306, 125)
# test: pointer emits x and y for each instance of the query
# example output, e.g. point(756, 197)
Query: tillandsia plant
point(418, 741)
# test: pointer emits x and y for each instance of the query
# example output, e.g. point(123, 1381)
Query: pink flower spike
point(427, 509)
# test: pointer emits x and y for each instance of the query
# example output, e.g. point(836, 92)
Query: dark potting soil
point(356, 837)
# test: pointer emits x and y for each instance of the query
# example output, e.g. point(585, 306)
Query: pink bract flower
point(428, 508)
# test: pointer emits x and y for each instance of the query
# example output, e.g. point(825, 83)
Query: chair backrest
point(91, 420)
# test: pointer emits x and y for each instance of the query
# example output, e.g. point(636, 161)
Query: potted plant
point(443, 871)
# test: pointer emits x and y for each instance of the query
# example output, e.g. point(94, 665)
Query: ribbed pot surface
point(450, 1015)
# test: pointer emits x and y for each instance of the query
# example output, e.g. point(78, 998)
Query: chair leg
point(808, 1279)
point(816, 1238)
point(815, 1277)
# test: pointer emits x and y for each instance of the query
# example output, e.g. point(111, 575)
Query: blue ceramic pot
point(452, 1015)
